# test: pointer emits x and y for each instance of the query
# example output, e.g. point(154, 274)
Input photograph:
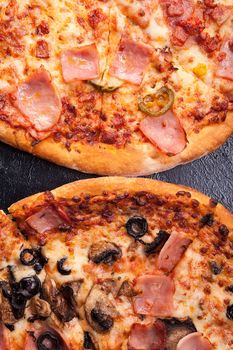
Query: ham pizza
point(116, 264)
point(116, 87)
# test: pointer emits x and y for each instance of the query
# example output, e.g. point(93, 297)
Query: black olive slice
point(41, 261)
point(229, 312)
point(18, 304)
point(29, 286)
point(63, 271)
point(28, 257)
point(88, 343)
point(156, 245)
point(136, 226)
point(48, 341)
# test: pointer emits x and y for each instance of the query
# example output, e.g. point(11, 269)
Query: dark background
point(21, 175)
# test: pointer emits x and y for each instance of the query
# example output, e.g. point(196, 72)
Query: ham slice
point(147, 336)
point(156, 295)
point(225, 67)
point(44, 220)
point(194, 341)
point(172, 251)
point(81, 63)
point(165, 132)
point(38, 101)
point(131, 61)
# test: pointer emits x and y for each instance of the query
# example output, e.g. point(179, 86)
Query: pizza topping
point(100, 311)
point(165, 132)
point(220, 14)
point(48, 341)
point(61, 269)
point(215, 268)
point(229, 288)
point(18, 305)
point(150, 336)
point(207, 219)
point(39, 308)
point(131, 61)
point(88, 343)
point(29, 286)
point(81, 63)
point(41, 261)
point(104, 252)
point(176, 330)
point(158, 103)
point(127, 290)
point(38, 101)
point(194, 341)
point(6, 313)
point(156, 295)
point(103, 86)
point(225, 66)
point(229, 312)
point(157, 244)
point(57, 301)
point(137, 226)
point(70, 291)
point(172, 251)
point(28, 257)
point(42, 49)
point(44, 220)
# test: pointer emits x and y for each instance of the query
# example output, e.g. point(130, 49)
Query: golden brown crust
point(133, 160)
point(121, 184)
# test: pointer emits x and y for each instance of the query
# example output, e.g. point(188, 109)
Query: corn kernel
point(200, 70)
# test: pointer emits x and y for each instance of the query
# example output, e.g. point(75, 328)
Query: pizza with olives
point(116, 87)
point(116, 264)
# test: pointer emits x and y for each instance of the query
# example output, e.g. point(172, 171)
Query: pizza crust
point(133, 160)
point(121, 184)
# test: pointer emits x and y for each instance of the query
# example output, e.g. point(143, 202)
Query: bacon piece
point(131, 61)
point(225, 66)
point(81, 63)
point(38, 101)
point(147, 336)
point(172, 251)
point(156, 297)
point(42, 49)
point(194, 341)
point(165, 132)
point(177, 13)
point(44, 220)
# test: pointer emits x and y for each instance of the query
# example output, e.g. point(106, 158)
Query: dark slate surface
point(21, 175)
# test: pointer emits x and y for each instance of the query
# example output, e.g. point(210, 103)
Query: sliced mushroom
point(104, 252)
point(57, 302)
point(70, 292)
point(127, 290)
point(40, 307)
point(100, 311)
point(176, 330)
point(6, 313)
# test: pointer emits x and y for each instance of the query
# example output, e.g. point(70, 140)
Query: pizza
point(116, 263)
point(116, 87)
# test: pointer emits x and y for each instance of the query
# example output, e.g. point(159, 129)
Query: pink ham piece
point(31, 341)
point(194, 341)
point(172, 251)
point(165, 132)
point(38, 101)
point(225, 67)
point(44, 220)
point(147, 336)
point(155, 297)
point(81, 63)
point(131, 61)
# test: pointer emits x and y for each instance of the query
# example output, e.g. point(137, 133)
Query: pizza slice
point(130, 264)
